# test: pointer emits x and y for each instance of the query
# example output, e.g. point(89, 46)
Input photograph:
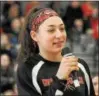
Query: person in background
point(29, 5)
point(7, 73)
point(88, 42)
point(7, 6)
point(78, 30)
point(42, 68)
point(6, 45)
point(73, 12)
point(15, 30)
point(95, 80)
point(87, 9)
point(74, 34)
point(15, 9)
point(94, 22)
point(10, 92)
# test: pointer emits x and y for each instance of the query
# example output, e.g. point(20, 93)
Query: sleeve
point(26, 88)
point(57, 85)
point(24, 83)
point(92, 92)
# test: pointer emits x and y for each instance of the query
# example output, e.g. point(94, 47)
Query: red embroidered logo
point(47, 82)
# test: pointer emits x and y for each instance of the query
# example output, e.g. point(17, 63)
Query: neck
point(55, 57)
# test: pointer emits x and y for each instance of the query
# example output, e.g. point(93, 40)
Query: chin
point(57, 50)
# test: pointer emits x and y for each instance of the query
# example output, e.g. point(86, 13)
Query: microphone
point(66, 52)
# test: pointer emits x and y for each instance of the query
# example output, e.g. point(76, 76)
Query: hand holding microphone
point(68, 64)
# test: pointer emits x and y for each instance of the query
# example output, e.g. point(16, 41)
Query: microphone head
point(65, 51)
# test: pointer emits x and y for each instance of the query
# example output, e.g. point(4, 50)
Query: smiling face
point(51, 35)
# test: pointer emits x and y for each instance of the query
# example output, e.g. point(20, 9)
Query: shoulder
point(24, 70)
point(84, 64)
point(29, 63)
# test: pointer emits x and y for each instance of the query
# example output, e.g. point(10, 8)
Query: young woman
point(42, 70)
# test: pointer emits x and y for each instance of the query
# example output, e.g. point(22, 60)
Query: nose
point(59, 34)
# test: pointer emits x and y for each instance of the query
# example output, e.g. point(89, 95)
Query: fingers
point(71, 60)
point(73, 69)
point(68, 64)
point(73, 64)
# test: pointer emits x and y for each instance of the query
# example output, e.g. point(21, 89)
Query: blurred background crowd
point(81, 20)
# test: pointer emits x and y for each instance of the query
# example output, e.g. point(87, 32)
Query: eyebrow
point(54, 25)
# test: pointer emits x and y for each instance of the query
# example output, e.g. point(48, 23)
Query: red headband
point(42, 16)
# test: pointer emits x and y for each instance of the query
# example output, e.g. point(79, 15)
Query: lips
point(59, 42)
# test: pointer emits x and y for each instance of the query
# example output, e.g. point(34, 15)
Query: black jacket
point(36, 77)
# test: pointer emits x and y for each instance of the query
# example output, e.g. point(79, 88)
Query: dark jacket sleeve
point(92, 92)
point(24, 84)
point(26, 88)
point(57, 84)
